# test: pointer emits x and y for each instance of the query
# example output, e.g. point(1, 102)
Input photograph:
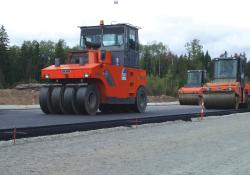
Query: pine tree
point(4, 61)
point(194, 49)
point(60, 50)
point(207, 60)
point(15, 66)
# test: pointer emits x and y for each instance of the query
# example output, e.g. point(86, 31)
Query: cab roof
point(111, 25)
point(234, 57)
point(200, 70)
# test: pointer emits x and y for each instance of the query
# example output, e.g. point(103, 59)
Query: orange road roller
point(229, 88)
point(191, 93)
point(103, 75)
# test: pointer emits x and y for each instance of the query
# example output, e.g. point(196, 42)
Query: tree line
point(22, 64)
point(166, 71)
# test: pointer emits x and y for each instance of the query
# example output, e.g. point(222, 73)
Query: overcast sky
point(219, 24)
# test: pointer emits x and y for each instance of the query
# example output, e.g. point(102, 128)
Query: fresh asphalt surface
point(35, 117)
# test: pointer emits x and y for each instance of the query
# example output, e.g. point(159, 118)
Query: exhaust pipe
point(57, 62)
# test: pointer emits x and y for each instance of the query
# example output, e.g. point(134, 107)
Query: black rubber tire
point(56, 99)
point(237, 102)
point(79, 106)
point(68, 100)
point(141, 100)
point(248, 102)
point(88, 99)
point(44, 99)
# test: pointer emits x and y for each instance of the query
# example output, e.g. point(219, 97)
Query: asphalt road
point(35, 117)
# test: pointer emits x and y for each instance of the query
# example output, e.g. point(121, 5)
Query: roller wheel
point(79, 105)
point(180, 102)
point(248, 102)
point(44, 99)
point(199, 101)
point(87, 100)
point(56, 99)
point(68, 100)
point(237, 102)
point(141, 100)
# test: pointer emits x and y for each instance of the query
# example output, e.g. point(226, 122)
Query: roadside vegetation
point(166, 70)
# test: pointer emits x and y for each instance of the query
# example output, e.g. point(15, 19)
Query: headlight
point(86, 75)
point(229, 89)
point(46, 76)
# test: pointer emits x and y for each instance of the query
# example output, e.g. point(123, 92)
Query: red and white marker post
point(14, 136)
point(202, 114)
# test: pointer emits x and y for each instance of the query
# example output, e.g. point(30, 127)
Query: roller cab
point(103, 76)
point(191, 93)
point(229, 88)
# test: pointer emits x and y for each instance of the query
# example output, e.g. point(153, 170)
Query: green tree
point(36, 61)
point(162, 69)
point(61, 50)
point(4, 60)
point(248, 70)
point(146, 59)
point(153, 58)
point(196, 55)
point(47, 52)
point(207, 60)
point(15, 67)
point(30, 60)
point(207, 64)
point(181, 70)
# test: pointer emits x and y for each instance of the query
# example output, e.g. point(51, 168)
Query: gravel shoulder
point(216, 145)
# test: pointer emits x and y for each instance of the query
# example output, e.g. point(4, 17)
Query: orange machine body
point(114, 82)
point(191, 90)
point(104, 75)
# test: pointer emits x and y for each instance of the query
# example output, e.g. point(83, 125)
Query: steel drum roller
point(221, 100)
point(189, 99)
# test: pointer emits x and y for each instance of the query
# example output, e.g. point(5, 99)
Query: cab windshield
point(89, 38)
point(104, 36)
point(194, 78)
point(225, 69)
point(112, 39)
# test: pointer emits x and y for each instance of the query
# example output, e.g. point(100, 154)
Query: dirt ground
point(216, 145)
point(18, 97)
point(29, 97)
point(162, 98)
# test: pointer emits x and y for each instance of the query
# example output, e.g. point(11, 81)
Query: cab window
point(132, 39)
